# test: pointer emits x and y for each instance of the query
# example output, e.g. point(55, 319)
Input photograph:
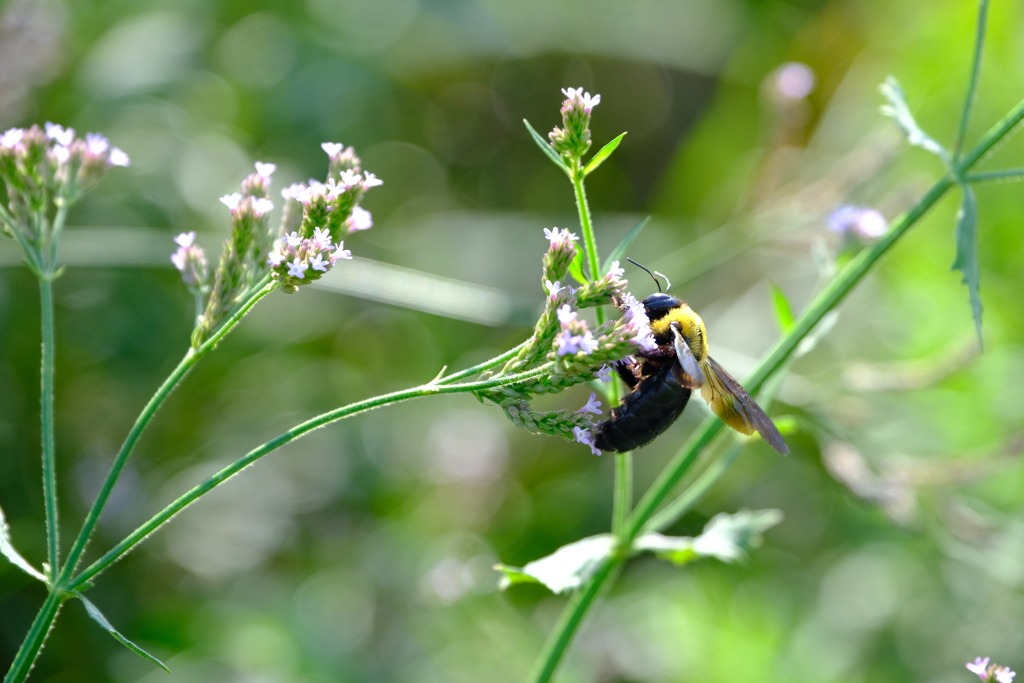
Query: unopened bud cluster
point(571, 352)
point(302, 248)
point(45, 168)
point(572, 140)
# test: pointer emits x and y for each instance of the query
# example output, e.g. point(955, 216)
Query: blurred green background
point(363, 552)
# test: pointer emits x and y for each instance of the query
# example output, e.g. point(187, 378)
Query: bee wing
point(691, 377)
point(737, 409)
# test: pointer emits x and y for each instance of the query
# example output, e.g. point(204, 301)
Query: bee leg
point(627, 374)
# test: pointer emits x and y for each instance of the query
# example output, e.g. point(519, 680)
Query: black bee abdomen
point(647, 411)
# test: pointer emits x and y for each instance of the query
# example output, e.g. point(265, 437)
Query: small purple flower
point(586, 343)
point(321, 238)
point(566, 315)
point(370, 180)
point(231, 200)
point(179, 257)
point(605, 373)
point(262, 206)
point(592, 406)
point(185, 239)
point(297, 269)
point(341, 253)
point(60, 134)
point(980, 667)
point(293, 239)
point(559, 235)
point(317, 263)
point(1003, 674)
point(118, 158)
point(265, 170)
point(294, 191)
point(794, 80)
point(96, 144)
point(566, 343)
point(586, 438)
point(857, 221)
point(553, 288)
point(360, 219)
point(11, 137)
point(576, 96)
point(275, 259)
point(61, 154)
point(333, 149)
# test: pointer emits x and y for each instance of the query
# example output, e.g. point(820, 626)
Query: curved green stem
point(590, 244)
point(169, 384)
point(252, 456)
point(487, 364)
point(47, 427)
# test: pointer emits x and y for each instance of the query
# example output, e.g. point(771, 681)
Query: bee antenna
point(648, 272)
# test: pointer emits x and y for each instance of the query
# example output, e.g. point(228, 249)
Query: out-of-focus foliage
point(364, 552)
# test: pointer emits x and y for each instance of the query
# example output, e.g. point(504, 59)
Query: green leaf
point(98, 617)
point(783, 311)
point(619, 252)
point(900, 113)
point(576, 268)
point(546, 148)
point(601, 155)
point(726, 537)
point(8, 551)
point(565, 569)
point(966, 260)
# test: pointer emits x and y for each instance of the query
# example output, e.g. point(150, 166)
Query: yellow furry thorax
point(691, 327)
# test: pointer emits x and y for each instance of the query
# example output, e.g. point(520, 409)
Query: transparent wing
point(729, 401)
point(691, 377)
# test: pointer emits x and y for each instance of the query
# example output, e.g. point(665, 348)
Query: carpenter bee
point(661, 380)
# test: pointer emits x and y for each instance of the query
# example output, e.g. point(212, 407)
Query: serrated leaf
point(565, 569)
point(619, 252)
point(601, 155)
point(576, 268)
point(783, 311)
point(898, 110)
point(98, 617)
point(726, 537)
point(966, 260)
point(8, 551)
point(546, 148)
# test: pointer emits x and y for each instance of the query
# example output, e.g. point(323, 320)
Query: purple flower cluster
point(298, 260)
point(637, 324)
point(34, 161)
point(561, 252)
point(574, 338)
point(990, 674)
point(190, 260)
point(573, 139)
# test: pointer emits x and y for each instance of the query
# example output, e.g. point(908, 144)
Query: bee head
point(658, 305)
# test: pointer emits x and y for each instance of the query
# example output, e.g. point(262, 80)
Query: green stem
point(47, 428)
point(972, 85)
point(828, 299)
point(622, 500)
point(220, 477)
point(477, 369)
point(1004, 174)
point(34, 639)
point(191, 358)
point(569, 622)
point(590, 244)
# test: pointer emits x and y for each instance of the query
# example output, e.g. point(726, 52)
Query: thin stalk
point(693, 493)
point(828, 299)
point(622, 496)
point(569, 622)
point(191, 358)
point(1004, 174)
point(34, 639)
point(972, 85)
point(590, 244)
point(47, 427)
point(252, 456)
point(487, 364)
